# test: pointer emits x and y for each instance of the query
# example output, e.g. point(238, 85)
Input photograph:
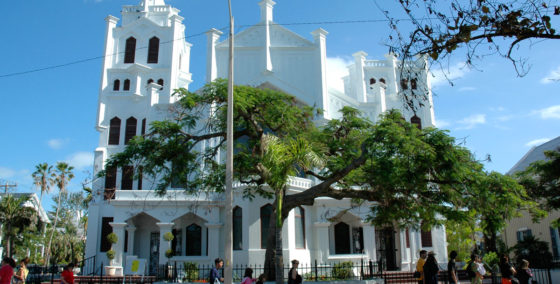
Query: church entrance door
point(154, 252)
point(387, 251)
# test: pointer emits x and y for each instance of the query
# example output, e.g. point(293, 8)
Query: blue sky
point(49, 116)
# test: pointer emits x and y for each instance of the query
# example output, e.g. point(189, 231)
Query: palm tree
point(282, 159)
point(15, 218)
point(62, 176)
point(43, 178)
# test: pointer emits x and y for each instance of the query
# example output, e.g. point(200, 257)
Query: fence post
point(549, 276)
point(316, 272)
point(52, 273)
point(101, 277)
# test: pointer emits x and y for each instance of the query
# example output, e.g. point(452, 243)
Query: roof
point(33, 203)
point(535, 154)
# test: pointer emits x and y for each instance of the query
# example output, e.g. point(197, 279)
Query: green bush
point(168, 236)
point(169, 253)
point(191, 271)
point(110, 254)
point(535, 251)
point(112, 238)
point(492, 260)
point(342, 270)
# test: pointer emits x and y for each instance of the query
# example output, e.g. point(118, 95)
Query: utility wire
point(186, 37)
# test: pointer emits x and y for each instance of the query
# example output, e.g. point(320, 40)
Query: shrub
point(535, 251)
point(169, 253)
point(342, 270)
point(492, 260)
point(112, 238)
point(191, 271)
point(168, 236)
point(110, 254)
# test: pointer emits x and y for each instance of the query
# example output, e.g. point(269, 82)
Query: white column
point(369, 241)
point(163, 244)
point(320, 39)
point(360, 84)
point(213, 239)
point(109, 50)
point(322, 241)
point(118, 229)
point(211, 69)
point(413, 248)
point(130, 249)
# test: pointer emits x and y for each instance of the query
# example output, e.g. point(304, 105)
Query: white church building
point(136, 88)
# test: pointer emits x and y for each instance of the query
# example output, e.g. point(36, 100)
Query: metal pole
point(228, 272)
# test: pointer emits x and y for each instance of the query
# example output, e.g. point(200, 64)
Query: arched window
point(413, 84)
point(426, 238)
point(114, 131)
point(110, 178)
point(143, 126)
point(150, 81)
point(416, 120)
point(116, 85)
point(342, 238)
point(153, 50)
point(404, 84)
point(126, 85)
point(371, 81)
point(130, 50)
point(130, 130)
point(266, 211)
point(237, 228)
point(382, 80)
point(299, 221)
point(160, 82)
point(194, 240)
point(127, 175)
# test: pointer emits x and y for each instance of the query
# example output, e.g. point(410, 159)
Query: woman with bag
point(506, 269)
point(22, 272)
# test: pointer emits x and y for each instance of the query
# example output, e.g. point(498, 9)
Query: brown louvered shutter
point(130, 130)
point(127, 175)
point(106, 229)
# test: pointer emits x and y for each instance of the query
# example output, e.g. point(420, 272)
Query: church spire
point(146, 3)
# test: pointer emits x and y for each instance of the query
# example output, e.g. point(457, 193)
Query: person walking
point(22, 272)
point(506, 269)
point(524, 273)
point(478, 269)
point(67, 275)
point(431, 269)
point(215, 273)
point(452, 268)
point(7, 270)
point(420, 266)
point(248, 277)
point(293, 276)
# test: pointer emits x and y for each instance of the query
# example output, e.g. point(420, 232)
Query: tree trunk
point(269, 262)
point(9, 241)
point(490, 242)
point(53, 228)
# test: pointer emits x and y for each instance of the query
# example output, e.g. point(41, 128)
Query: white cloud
point(553, 76)
point(336, 69)
point(56, 143)
point(443, 75)
point(549, 112)
point(80, 160)
point(440, 123)
point(537, 142)
point(6, 173)
point(472, 121)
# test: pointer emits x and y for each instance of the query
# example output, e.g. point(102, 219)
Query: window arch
point(404, 84)
point(342, 238)
point(150, 81)
point(153, 50)
point(114, 131)
point(160, 82)
point(371, 81)
point(127, 175)
point(413, 83)
point(194, 239)
point(266, 212)
point(299, 221)
point(416, 120)
point(382, 80)
point(126, 85)
point(116, 85)
point(237, 228)
point(130, 50)
point(426, 237)
point(130, 130)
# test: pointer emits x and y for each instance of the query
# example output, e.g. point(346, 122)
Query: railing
point(87, 266)
point(375, 63)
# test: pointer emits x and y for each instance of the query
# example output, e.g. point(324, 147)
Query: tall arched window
point(130, 50)
point(416, 120)
point(160, 82)
point(413, 84)
point(299, 221)
point(371, 81)
point(426, 237)
point(266, 211)
point(194, 240)
point(127, 175)
point(116, 85)
point(126, 85)
point(130, 130)
point(237, 228)
point(143, 126)
point(150, 81)
point(153, 50)
point(404, 84)
point(114, 131)
point(342, 238)
point(382, 80)
point(110, 178)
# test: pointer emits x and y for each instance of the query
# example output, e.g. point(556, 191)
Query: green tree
point(16, 218)
point(476, 27)
point(413, 175)
point(43, 178)
point(461, 236)
point(63, 174)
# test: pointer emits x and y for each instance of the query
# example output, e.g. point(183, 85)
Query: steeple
point(146, 3)
point(266, 10)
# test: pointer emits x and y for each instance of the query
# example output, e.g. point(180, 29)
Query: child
point(248, 277)
point(67, 276)
point(262, 279)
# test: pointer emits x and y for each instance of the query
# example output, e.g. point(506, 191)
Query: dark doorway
point(154, 252)
point(386, 249)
